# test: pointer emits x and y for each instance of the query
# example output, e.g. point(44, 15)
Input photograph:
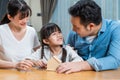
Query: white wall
point(35, 20)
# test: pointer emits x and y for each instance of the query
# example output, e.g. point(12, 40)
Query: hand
point(69, 67)
point(24, 65)
point(40, 63)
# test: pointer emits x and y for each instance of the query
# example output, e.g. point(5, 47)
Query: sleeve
point(0, 40)
point(2, 53)
point(72, 55)
point(1, 47)
point(112, 60)
point(36, 55)
point(36, 40)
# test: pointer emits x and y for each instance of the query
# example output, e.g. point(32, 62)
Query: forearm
point(6, 64)
point(70, 67)
point(85, 66)
point(105, 63)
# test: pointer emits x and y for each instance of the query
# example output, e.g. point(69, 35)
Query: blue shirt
point(104, 51)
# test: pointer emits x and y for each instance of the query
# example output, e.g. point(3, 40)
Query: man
point(96, 40)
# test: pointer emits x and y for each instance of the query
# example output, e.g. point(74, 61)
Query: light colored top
point(104, 51)
point(17, 50)
point(72, 56)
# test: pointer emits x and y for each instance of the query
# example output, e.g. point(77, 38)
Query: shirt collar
point(103, 27)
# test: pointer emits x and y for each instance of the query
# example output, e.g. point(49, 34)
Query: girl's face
point(55, 39)
point(17, 22)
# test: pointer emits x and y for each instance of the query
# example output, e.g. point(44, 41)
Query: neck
point(15, 28)
point(55, 50)
point(98, 27)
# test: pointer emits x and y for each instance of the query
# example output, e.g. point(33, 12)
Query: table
point(8, 74)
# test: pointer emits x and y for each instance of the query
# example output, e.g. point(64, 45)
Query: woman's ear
point(9, 17)
point(45, 41)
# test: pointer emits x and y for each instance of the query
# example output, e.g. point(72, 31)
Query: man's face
point(79, 28)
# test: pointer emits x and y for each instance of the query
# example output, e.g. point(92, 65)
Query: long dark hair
point(14, 7)
point(45, 32)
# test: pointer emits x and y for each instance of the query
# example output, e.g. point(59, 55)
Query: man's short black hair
point(88, 12)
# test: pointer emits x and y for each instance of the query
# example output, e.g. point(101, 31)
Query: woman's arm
point(23, 65)
point(7, 64)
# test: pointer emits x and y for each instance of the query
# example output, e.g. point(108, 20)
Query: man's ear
point(45, 41)
point(90, 26)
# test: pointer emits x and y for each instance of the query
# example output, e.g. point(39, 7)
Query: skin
point(18, 26)
point(90, 30)
point(54, 42)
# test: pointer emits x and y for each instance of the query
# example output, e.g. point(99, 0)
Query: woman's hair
point(45, 33)
point(14, 7)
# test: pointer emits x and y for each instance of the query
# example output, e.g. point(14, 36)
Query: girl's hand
point(40, 63)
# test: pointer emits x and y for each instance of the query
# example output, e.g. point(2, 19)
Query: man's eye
point(59, 32)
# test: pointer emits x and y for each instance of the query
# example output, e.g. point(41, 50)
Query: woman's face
point(17, 22)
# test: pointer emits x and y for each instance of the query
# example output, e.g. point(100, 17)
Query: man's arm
point(71, 67)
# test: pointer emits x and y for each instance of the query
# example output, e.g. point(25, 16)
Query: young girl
point(52, 45)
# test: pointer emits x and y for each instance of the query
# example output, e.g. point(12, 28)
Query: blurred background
point(44, 11)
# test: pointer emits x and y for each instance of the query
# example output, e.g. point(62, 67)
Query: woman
point(16, 38)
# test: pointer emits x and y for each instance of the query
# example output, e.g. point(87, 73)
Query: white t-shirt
point(17, 50)
point(72, 56)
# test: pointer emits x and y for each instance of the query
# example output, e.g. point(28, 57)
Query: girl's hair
point(14, 7)
point(45, 33)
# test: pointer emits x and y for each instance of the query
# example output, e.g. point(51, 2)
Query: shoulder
point(31, 30)
point(70, 50)
point(72, 32)
point(67, 47)
point(112, 24)
point(3, 27)
point(73, 35)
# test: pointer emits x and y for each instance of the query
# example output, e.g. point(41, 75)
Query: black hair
point(45, 33)
point(14, 7)
point(88, 12)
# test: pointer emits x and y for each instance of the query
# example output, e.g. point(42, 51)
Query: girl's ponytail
point(42, 52)
point(64, 54)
